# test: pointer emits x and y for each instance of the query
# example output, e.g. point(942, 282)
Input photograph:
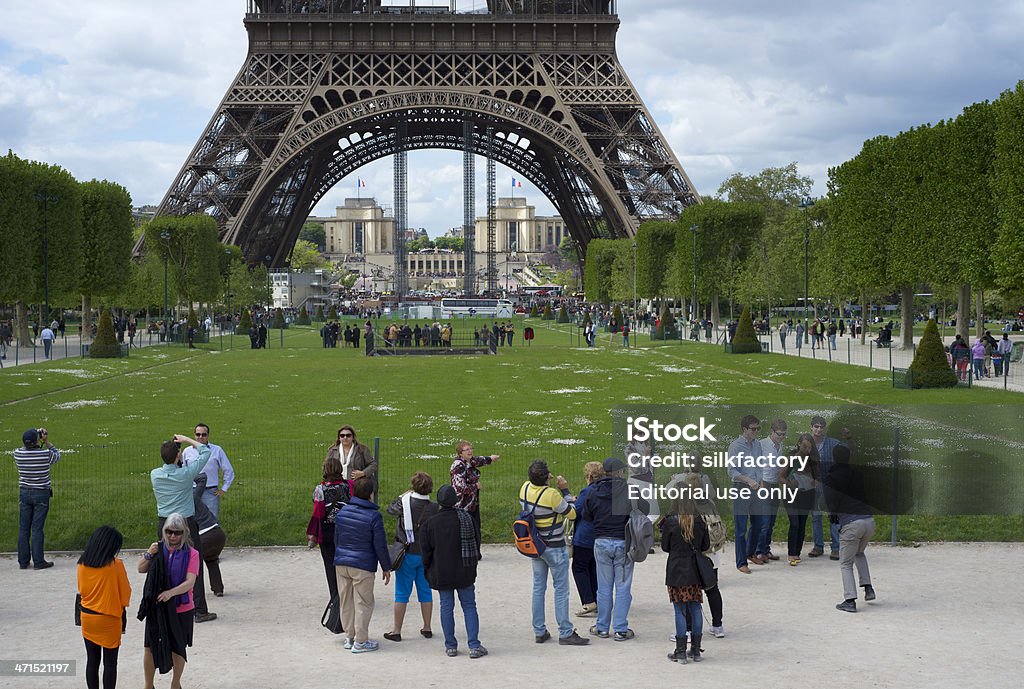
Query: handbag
point(706, 572)
point(331, 619)
point(78, 610)
point(397, 552)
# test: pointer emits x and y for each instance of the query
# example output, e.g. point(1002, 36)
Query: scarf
point(467, 535)
point(177, 569)
point(407, 524)
point(346, 459)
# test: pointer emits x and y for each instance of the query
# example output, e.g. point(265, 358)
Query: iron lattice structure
point(326, 85)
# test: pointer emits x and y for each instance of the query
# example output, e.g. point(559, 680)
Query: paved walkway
point(947, 616)
point(70, 347)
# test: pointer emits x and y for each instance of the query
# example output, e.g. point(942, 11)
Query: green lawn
point(274, 411)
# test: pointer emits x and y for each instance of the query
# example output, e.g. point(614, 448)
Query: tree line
point(937, 207)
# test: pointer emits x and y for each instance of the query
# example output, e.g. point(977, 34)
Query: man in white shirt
point(217, 465)
point(47, 337)
point(771, 454)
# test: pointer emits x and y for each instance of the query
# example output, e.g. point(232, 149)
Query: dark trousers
point(213, 543)
point(93, 652)
point(199, 590)
point(327, 554)
point(33, 508)
point(714, 596)
point(798, 512)
point(584, 572)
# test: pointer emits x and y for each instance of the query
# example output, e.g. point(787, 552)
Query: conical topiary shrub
point(332, 315)
point(105, 346)
point(279, 319)
point(303, 318)
point(319, 313)
point(666, 329)
point(745, 341)
point(244, 322)
point(930, 368)
point(615, 325)
point(563, 315)
point(533, 311)
point(192, 321)
point(548, 316)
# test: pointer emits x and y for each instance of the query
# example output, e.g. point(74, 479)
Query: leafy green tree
point(597, 272)
point(105, 346)
point(773, 187)
point(930, 368)
point(315, 233)
point(319, 313)
point(305, 257)
point(1008, 187)
point(655, 247)
point(279, 319)
point(568, 250)
point(40, 236)
point(453, 243)
point(192, 251)
point(107, 238)
point(244, 322)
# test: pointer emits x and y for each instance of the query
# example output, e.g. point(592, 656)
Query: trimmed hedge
point(303, 318)
point(105, 346)
point(930, 368)
point(563, 315)
point(666, 329)
point(245, 322)
point(745, 340)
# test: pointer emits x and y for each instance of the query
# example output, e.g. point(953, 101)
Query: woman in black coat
point(685, 538)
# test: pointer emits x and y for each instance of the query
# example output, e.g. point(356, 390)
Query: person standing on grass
point(217, 466)
point(844, 494)
point(105, 593)
point(34, 460)
point(450, 547)
point(465, 476)
point(412, 508)
point(360, 544)
point(172, 485)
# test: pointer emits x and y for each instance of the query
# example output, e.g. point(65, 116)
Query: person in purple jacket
point(359, 545)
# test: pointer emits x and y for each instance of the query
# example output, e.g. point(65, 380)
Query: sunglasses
point(173, 532)
point(344, 435)
point(202, 435)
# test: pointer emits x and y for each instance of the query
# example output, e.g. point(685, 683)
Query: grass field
point(275, 411)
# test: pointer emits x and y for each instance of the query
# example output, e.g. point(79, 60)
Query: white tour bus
point(452, 307)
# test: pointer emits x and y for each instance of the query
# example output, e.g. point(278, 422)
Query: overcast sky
point(122, 89)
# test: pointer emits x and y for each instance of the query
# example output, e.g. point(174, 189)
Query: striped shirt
point(552, 511)
point(34, 466)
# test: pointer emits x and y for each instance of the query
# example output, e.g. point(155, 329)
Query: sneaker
point(574, 639)
point(588, 610)
point(718, 632)
point(594, 631)
point(624, 636)
point(816, 552)
point(478, 652)
point(834, 555)
point(348, 643)
point(205, 617)
point(451, 652)
point(794, 561)
point(847, 606)
point(543, 637)
point(869, 592)
point(365, 647)
point(219, 594)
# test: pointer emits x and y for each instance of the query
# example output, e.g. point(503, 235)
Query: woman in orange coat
point(103, 585)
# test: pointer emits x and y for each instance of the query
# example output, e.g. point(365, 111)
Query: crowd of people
point(436, 545)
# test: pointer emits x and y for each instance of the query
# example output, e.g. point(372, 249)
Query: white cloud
point(121, 89)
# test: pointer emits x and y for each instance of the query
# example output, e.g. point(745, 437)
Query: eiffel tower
point(331, 85)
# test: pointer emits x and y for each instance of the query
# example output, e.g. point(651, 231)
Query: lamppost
point(693, 304)
point(805, 203)
point(46, 200)
point(634, 295)
point(166, 236)
point(270, 295)
point(231, 316)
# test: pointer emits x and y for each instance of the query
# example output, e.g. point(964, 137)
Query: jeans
point(212, 501)
point(746, 539)
point(979, 368)
point(614, 573)
point(557, 561)
point(35, 504)
point(47, 346)
point(818, 532)
point(467, 599)
point(689, 618)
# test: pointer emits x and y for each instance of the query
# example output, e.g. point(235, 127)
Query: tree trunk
point(907, 309)
point(716, 316)
point(979, 315)
point(963, 308)
point(24, 334)
point(86, 317)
